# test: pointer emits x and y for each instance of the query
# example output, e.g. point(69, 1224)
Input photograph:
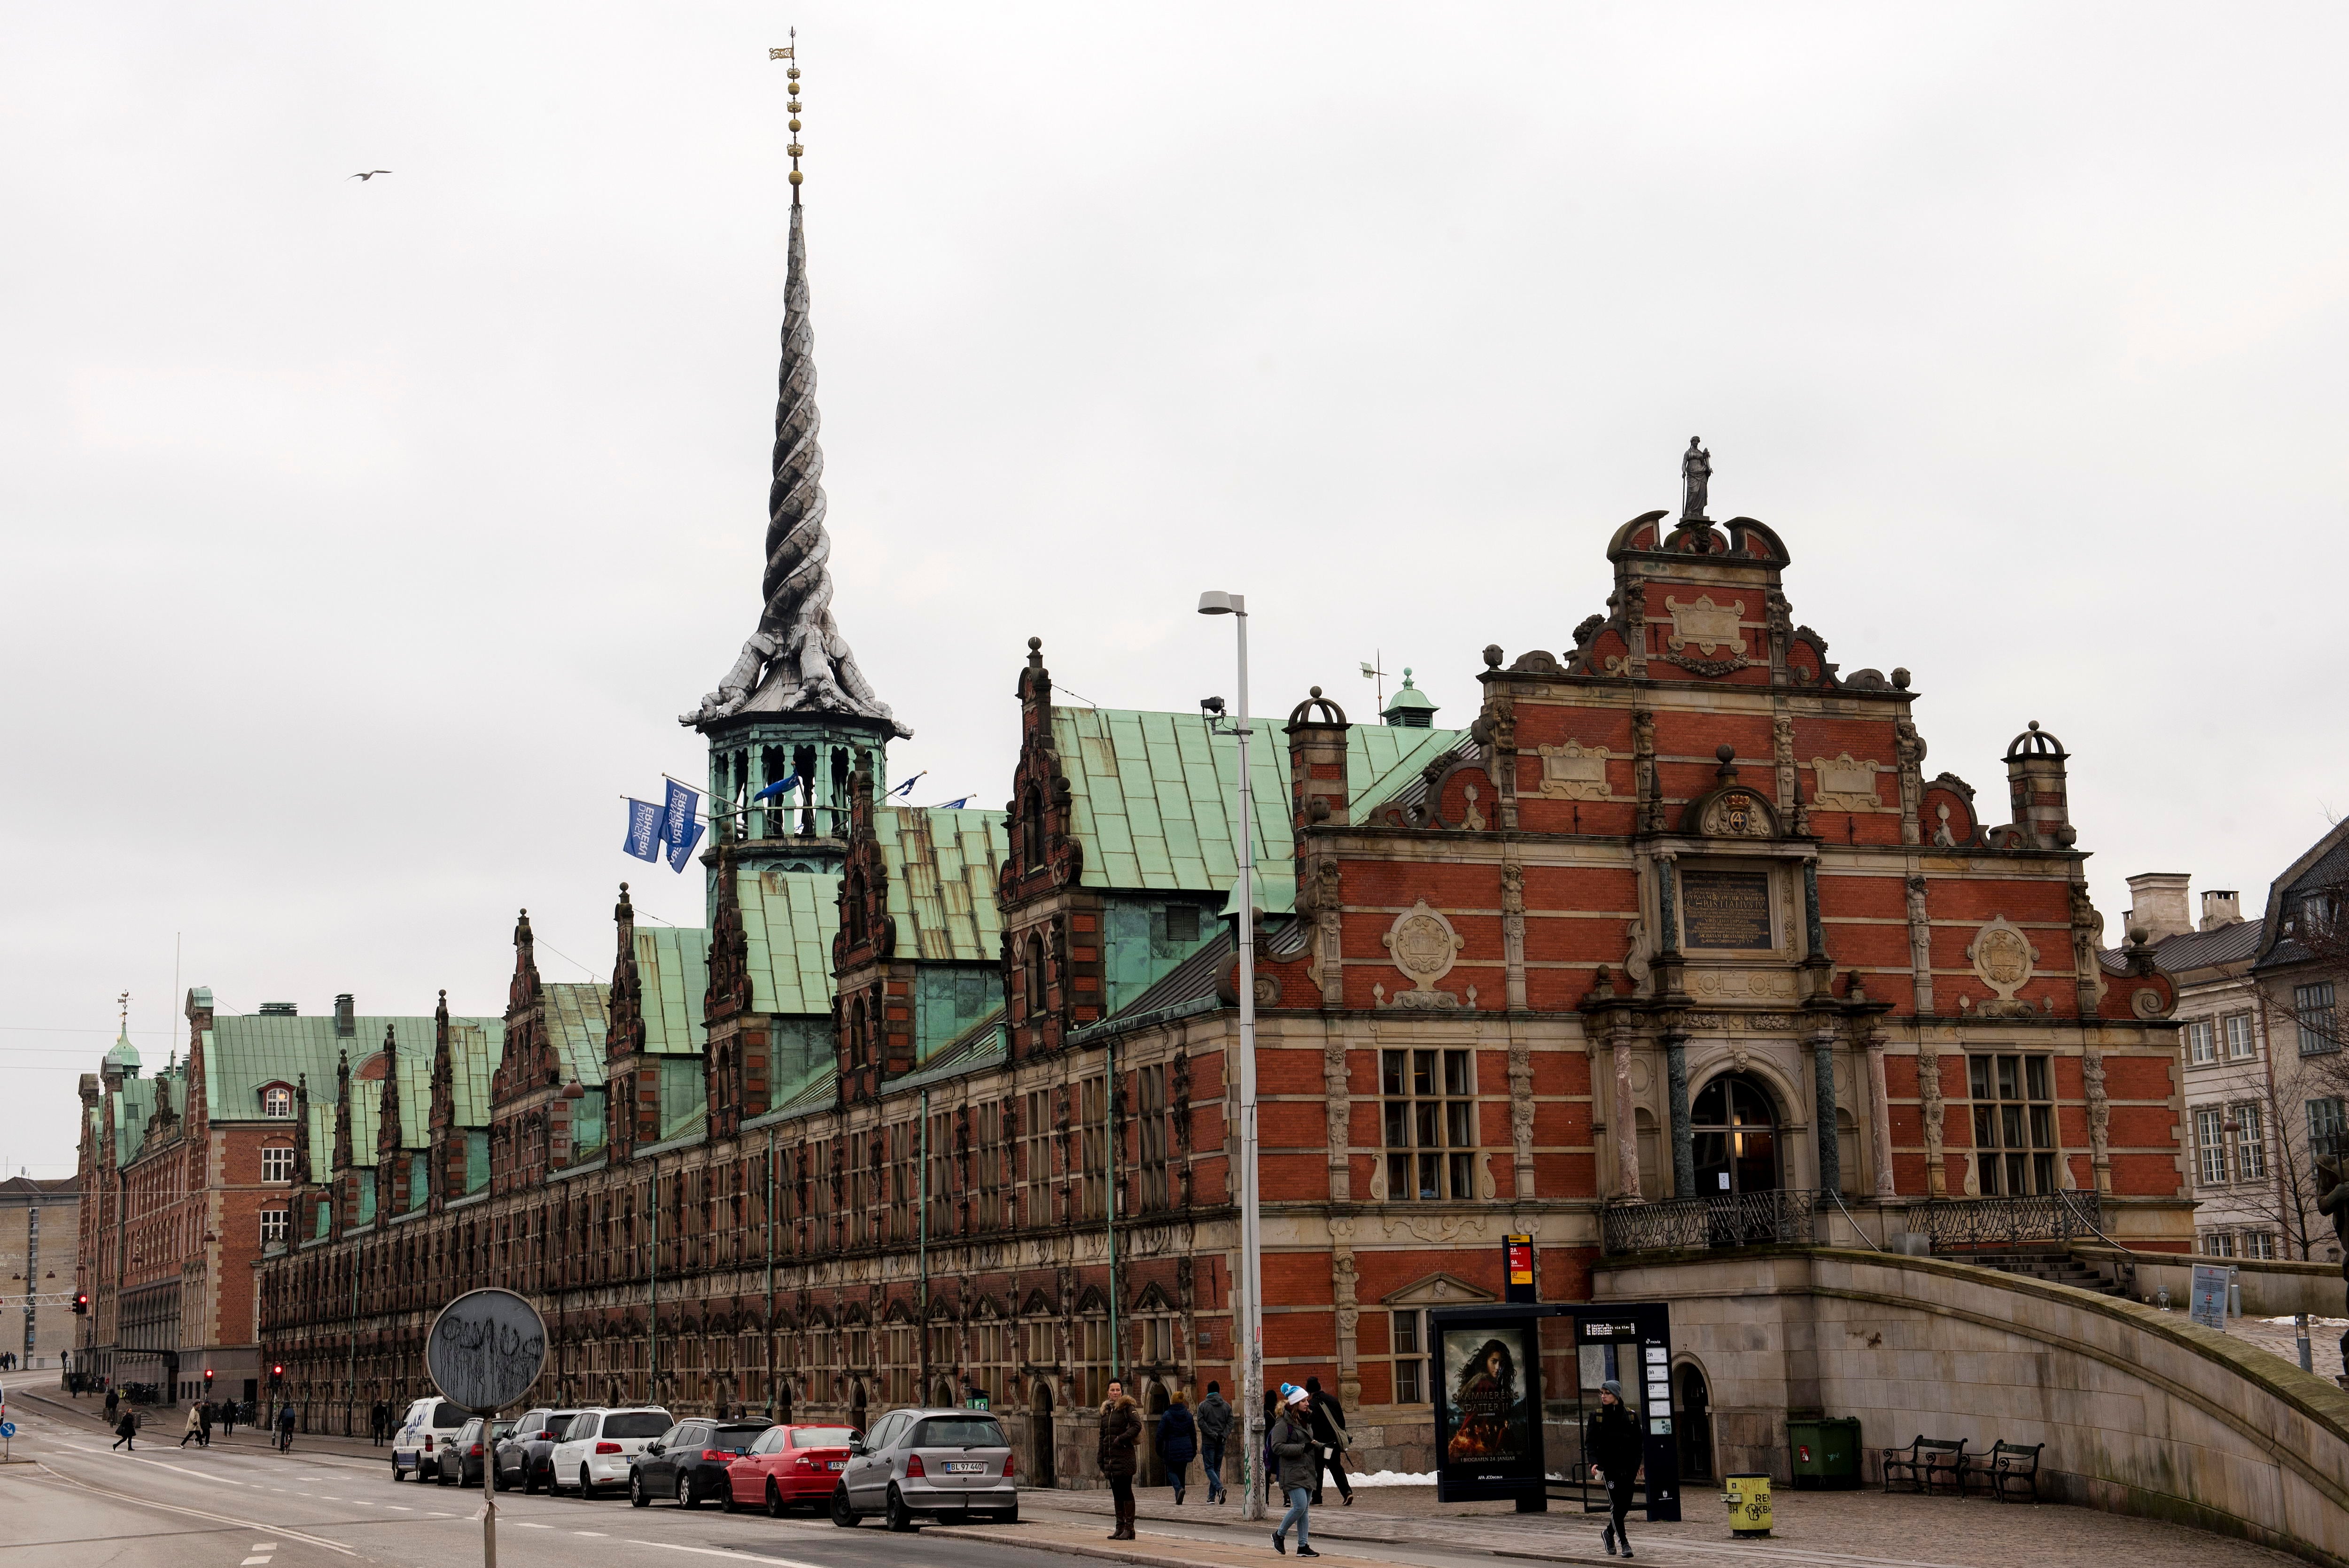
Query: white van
point(593, 1453)
point(430, 1425)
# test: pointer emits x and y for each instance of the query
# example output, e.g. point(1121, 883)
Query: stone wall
point(2270, 1286)
point(2142, 1411)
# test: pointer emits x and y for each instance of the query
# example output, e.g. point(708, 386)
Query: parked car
point(424, 1433)
point(940, 1462)
point(688, 1461)
point(524, 1454)
point(791, 1467)
point(595, 1449)
point(467, 1458)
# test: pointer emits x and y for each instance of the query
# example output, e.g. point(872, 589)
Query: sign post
point(2210, 1307)
point(486, 1348)
point(1517, 1259)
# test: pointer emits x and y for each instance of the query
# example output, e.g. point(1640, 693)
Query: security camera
point(1213, 705)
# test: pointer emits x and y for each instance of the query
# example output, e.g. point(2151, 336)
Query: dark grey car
point(688, 1461)
point(947, 1463)
point(526, 1454)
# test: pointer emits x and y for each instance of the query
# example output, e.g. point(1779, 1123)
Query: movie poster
point(1485, 1385)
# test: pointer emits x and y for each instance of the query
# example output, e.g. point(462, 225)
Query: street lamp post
point(1251, 1281)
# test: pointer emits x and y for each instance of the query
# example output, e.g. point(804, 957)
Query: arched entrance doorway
point(1155, 1403)
point(1695, 1429)
point(1041, 1427)
point(1736, 1136)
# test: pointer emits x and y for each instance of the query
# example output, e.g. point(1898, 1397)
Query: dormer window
point(277, 1103)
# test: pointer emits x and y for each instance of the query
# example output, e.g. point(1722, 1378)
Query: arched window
point(1034, 974)
point(277, 1103)
point(1736, 1137)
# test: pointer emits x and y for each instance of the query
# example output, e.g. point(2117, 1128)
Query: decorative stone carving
point(1521, 1116)
point(1575, 772)
point(1737, 814)
point(1710, 1021)
point(2002, 957)
point(1424, 947)
point(1741, 984)
point(1843, 784)
point(1929, 1099)
point(1706, 624)
point(1635, 959)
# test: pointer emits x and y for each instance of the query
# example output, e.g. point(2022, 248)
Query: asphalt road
point(82, 1504)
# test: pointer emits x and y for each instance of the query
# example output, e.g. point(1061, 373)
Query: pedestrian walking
point(1120, 1430)
point(204, 1438)
point(285, 1430)
point(1215, 1422)
point(1274, 1401)
point(195, 1428)
point(378, 1420)
point(1298, 1458)
point(124, 1430)
point(1178, 1443)
point(1616, 1449)
point(1329, 1419)
point(113, 1405)
point(228, 1417)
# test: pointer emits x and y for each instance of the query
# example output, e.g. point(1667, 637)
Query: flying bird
point(369, 174)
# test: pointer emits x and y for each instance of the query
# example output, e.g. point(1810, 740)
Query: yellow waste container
point(1749, 1505)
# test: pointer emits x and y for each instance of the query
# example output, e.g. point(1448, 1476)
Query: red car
point(790, 1467)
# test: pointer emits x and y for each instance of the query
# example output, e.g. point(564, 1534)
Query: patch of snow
point(1393, 1477)
point(2313, 1323)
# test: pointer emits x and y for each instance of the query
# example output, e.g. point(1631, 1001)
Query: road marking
point(436, 1514)
point(250, 1561)
point(591, 1532)
point(716, 1551)
point(526, 1524)
point(402, 1506)
point(192, 1512)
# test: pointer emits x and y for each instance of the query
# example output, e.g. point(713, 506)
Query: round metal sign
point(486, 1349)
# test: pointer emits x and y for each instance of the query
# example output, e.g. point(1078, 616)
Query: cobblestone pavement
point(2324, 1338)
point(1833, 1529)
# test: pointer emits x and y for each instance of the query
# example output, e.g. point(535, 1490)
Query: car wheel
point(637, 1496)
point(1008, 1515)
point(686, 1497)
point(901, 1518)
point(774, 1502)
point(842, 1514)
point(529, 1480)
point(398, 1475)
point(586, 1485)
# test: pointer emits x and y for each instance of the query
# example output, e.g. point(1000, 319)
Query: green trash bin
point(1826, 1453)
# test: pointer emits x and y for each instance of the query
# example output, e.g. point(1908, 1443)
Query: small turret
point(2036, 783)
point(1409, 707)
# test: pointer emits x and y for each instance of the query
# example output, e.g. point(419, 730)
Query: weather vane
point(790, 52)
point(123, 1001)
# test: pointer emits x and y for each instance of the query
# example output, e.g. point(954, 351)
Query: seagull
point(370, 173)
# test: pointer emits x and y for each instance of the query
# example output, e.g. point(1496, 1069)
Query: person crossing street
point(124, 1430)
point(285, 1430)
point(195, 1427)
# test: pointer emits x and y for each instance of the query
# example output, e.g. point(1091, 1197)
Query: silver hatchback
point(947, 1464)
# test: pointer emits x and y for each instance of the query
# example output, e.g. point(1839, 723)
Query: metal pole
point(1251, 1220)
point(922, 1254)
point(771, 1266)
point(1111, 1138)
point(652, 1296)
point(489, 1490)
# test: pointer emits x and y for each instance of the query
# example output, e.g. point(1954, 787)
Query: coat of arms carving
point(1424, 946)
point(1575, 772)
point(1840, 784)
point(1707, 625)
point(1737, 814)
point(2003, 957)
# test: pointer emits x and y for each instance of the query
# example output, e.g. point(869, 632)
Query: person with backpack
point(1329, 1419)
point(1178, 1443)
point(1215, 1423)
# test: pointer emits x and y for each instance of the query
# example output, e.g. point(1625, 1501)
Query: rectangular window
point(2259, 1244)
point(276, 1226)
point(991, 1165)
point(2250, 1143)
point(1182, 922)
point(1092, 1139)
point(2201, 1051)
point(2239, 1038)
point(1410, 1363)
point(2219, 1245)
point(277, 1165)
point(2320, 1029)
point(2014, 1124)
point(1430, 1113)
point(1151, 1136)
point(1040, 1129)
point(2325, 1126)
point(2210, 1138)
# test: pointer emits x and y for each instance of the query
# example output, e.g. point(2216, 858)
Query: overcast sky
point(363, 538)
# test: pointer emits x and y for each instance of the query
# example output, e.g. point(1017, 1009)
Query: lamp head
point(1213, 707)
point(1215, 602)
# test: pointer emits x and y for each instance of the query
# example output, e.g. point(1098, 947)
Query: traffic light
point(208, 1380)
point(276, 1371)
point(81, 1302)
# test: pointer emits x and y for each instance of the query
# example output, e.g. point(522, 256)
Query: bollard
point(2300, 1331)
point(1749, 1505)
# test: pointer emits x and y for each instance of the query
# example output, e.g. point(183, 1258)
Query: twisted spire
point(797, 661)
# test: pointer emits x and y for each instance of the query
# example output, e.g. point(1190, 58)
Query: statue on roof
point(1696, 479)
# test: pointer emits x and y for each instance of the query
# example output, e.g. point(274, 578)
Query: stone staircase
point(2055, 1267)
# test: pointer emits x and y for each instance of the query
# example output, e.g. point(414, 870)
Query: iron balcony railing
point(1791, 1216)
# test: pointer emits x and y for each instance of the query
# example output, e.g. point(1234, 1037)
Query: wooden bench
point(1926, 1462)
point(2007, 1468)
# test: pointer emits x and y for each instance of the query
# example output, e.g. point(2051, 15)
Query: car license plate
point(833, 1464)
point(966, 1466)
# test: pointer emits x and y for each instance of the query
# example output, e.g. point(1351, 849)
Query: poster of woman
point(1483, 1376)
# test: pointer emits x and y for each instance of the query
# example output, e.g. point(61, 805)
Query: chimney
point(345, 1024)
point(2221, 909)
point(2158, 904)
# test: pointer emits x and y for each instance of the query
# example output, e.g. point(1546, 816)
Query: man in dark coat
point(125, 1430)
point(1120, 1430)
point(1215, 1422)
point(1329, 1431)
point(1617, 1451)
point(113, 1405)
point(204, 1436)
point(1178, 1443)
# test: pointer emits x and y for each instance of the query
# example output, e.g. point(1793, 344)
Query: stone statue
point(1696, 479)
point(796, 661)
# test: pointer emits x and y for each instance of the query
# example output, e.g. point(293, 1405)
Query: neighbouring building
point(1677, 932)
point(39, 1228)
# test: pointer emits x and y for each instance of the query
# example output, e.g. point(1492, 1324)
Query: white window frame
point(2251, 1144)
point(275, 1097)
point(2201, 1043)
point(276, 1226)
point(2210, 1140)
point(2241, 1045)
point(279, 1159)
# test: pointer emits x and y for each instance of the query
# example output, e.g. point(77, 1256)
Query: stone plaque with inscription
point(1725, 909)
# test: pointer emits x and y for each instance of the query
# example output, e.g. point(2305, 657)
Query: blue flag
point(678, 854)
point(953, 805)
point(909, 783)
point(788, 782)
point(679, 831)
point(644, 839)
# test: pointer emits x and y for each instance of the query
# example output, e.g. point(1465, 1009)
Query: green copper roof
point(673, 968)
point(577, 1017)
point(790, 919)
point(942, 876)
point(1409, 706)
point(124, 1054)
point(366, 1119)
point(246, 1052)
point(1382, 760)
point(1153, 795)
point(475, 1046)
